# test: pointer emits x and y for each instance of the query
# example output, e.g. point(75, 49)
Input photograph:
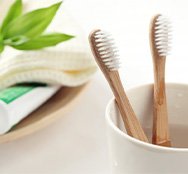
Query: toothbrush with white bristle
point(160, 39)
point(106, 56)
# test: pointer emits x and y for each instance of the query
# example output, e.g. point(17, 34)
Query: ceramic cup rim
point(136, 141)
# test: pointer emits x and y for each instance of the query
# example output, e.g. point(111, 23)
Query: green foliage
point(14, 11)
point(25, 31)
point(43, 41)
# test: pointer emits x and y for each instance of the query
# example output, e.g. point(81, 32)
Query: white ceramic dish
point(129, 155)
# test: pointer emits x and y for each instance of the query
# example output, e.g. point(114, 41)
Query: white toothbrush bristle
point(105, 46)
point(163, 35)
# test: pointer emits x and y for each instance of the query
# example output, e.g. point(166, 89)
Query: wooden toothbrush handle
point(160, 120)
point(132, 125)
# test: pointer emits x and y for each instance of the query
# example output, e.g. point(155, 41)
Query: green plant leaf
point(43, 41)
point(14, 11)
point(1, 48)
point(17, 40)
point(1, 43)
point(31, 24)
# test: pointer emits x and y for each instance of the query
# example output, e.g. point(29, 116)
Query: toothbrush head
point(162, 32)
point(104, 50)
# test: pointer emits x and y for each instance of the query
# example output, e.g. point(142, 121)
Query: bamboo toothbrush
point(105, 53)
point(160, 46)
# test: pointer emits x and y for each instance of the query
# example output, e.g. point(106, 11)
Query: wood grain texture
point(132, 124)
point(160, 115)
point(53, 109)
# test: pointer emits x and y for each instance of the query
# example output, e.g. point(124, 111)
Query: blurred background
point(77, 143)
point(129, 21)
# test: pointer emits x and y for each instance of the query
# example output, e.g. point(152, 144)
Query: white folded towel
point(67, 68)
point(69, 63)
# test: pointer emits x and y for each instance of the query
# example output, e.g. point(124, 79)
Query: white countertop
point(76, 144)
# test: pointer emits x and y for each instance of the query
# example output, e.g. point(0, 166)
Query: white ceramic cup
point(131, 156)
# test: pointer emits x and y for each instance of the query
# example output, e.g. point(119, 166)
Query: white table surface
point(76, 144)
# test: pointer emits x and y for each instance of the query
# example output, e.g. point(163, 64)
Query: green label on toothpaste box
point(12, 93)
